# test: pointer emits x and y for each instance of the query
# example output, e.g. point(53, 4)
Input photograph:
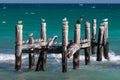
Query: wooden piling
point(73, 48)
point(64, 44)
point(100, 42)
point(31, 54)
point(76, 56)
point(93, 42)
point(87, 50)
point(41, 64)
point(18, 46)
point(106, 43)
point(68, 48)
point(43, 30)
point(50, 43)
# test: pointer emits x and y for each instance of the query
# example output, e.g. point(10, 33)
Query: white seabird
point(106, 19)
point(31, 34)
point(65, 19)
point(20, 22)
point(43, 20)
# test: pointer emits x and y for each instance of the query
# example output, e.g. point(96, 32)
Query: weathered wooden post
point(51, 42)
point(76, 56)
point(93, 42)
point(41, 64)
point(100, 42)
point(43, 30)
point(106, 43)
point(64, 44)
point(87, 50)
point(31, 54)
point(18, 46)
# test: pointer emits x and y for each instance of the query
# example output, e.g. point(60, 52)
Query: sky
point(59, 1)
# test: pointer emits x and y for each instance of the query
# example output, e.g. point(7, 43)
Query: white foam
point(32, 12)
point(3, 22)
point(4, 7)
point(81, 4)
point(57, 57)
point(114, 57)
point(26, 13)
point(93, 7)
point(6, 57)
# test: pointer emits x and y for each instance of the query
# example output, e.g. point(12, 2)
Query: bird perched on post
point(30, 35)
point(42, 20)
point(20, 22)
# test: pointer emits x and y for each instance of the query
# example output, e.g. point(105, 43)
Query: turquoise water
point(31, 14)
point(72, 75)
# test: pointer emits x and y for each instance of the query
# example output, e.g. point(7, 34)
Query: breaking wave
point(57, 57)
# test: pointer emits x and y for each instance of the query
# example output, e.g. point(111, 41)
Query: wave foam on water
point(6, 57)
point(54, 61)
point(57, 57)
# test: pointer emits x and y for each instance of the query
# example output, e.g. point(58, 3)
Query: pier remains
point(67, 48)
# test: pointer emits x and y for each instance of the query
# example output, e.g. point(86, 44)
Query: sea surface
point(31, 15)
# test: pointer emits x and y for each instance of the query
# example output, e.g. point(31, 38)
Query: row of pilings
point(67, 48)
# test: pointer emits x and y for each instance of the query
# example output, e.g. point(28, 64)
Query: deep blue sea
point(31, 14)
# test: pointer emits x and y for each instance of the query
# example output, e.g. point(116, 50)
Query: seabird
point(31, 34)
point(106, 19)
point(65, 19)
point(43, 20)
point(20, 22)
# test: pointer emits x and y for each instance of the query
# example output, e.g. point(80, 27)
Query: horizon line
point(58, 3)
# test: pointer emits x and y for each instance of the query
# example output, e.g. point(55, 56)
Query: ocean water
point(31, 14)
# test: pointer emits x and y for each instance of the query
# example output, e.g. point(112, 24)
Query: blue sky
point(59, 1)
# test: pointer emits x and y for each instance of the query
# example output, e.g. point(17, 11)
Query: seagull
point(56, 36)
point(43, 20)
point(65, 19)
point(20, 22)
point(102, 24)
point(31, 34)
point(106, 19)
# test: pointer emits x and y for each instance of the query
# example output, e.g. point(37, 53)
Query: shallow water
point(85, 74)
